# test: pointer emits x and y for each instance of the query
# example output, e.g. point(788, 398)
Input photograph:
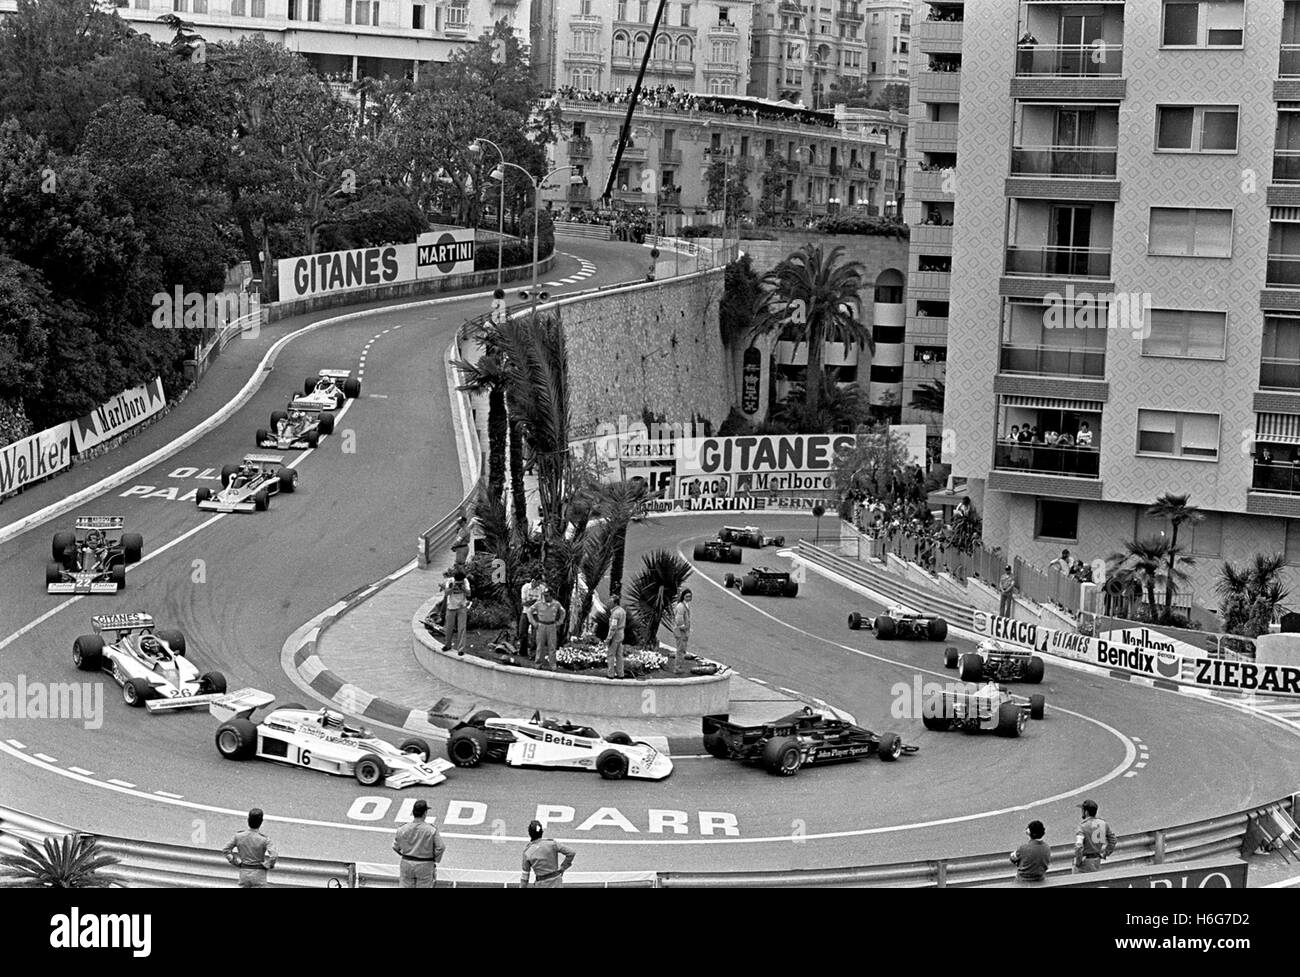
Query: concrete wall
point(876, 253)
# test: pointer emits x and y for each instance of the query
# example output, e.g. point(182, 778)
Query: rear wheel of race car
point(61, 544)
point(202, 495)
point(174, 640)
point(370, 770)
point(890, 747)
point(237, 739)
point(292, 705)
point(782, 757)
point(87, 652)
point(611, 765)
point(886, 627)
point(936, 629)
point(352, 388)
point(311, 439)
point(1035, 670)
point(729, 580)
point(276, 417)
point(749, 584)
point(227, 473)
point(117, 575)
point(261, 500)
point(132, 547)
point(699, 552)
point(1037, 706)
point(790, 588)
point(417, 745)
point(735, 554)
point(53, 573)
point(932, 717)
point(715, 745)
point(1011, 719)
point(326, 423)
point(466, 747)
point(778, 540)
point(309, 384)
point(970, 668)
point(619, 738)
point(288, 481)
point(136, 691)
point(950, 656)
point(212, 683)
point(855, 621)
point(482, 716)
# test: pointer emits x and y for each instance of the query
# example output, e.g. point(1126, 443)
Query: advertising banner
point(751, 375)
point(122, 413)
point(767, 454)
point(708, 486)
point(658, 478)
point(433, 255)
point(747, 503)
point(35, 457)
point(767, 483)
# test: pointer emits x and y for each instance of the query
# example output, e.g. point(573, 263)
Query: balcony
point(1286, 166)
point(1288, 65)
point(1040, 459)
point(1074, 361)
point(1279, 373)
point(850, 16)
point(661, 66)
point(938, 35)
point(1070, 61)
point(671, 156)
point(578, 194)
point(721, 67)
point(874, 174)
point(724, 28)
point(592, 19)
point(580, 147)
point(1283, 271)
point(836, 169)
point(584, 57)
point(1059, 262)
point(935, 137)
point(1076, 162)
point(630, 153)
point(1279, 478)
point(937, 86)
point(630, 197)
point(669, 197)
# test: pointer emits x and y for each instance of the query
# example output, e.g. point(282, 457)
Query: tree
point(771, 200)
point(1177, 511)
point(72, 861)
point(616, 503)
point(874, 466)
point(929, 396)
point(727, 189)
point(1251, 593)
point(850, 91)
point(1146, 564)
point(654, 590)
point(842, 409)
point(489, 375)
point(895, 95)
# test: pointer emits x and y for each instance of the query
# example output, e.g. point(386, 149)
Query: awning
point(1278, 428)
point(1050, 403)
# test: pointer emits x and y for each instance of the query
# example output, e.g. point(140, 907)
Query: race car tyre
point(729, 580)
point(227, 473)
point(136, 691)
point(970, 668)
point(619, 738)
point(778, 540)
point(309, 384)
point(1035, 670)
point(936, 629)
point(237, 739)
point(855, 621)
point(132, 547)
point(886, 627)
point(87, 652)
point(261, 500)
point(326, 423)
point(62, 543)
point(1037, 706)
point(288, 480)
point(311, 439)
point(790, 588)
point(734, 554)
point(202, 495)
point(1011, 720)
point(698, 552)
point(749, 584)
point(213, 683)
point(950, 656)
point(352, 388)
point(339, 401)
point(466, 747)
point(611, 765)
point(782, 757)
point(262, 435)
point(417, 745)
point(481, 717)
point(715, 745)
point(292, 705)
point(276, 417)
point(117, 575)
point(174, 640)
point(890, 747)
point(370, 770)
point(53, 573)
point(932, 718)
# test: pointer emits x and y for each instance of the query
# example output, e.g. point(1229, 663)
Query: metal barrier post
point(1158, 856)
point(941, 873)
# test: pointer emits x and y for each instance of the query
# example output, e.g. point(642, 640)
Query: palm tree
point(1251, 593)
point(1141, 565)
point(488, 375)
point(1177, 511)
point(69, 862)
point(816, 295)
point(929, 396)
point(653, 592)
point(616, 503)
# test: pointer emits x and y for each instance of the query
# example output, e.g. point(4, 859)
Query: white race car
point(331, 389)
point(149, 665)
point(539, 742)
point(320, 739)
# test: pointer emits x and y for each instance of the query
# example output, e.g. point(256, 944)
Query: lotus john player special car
point(248, 486)
point(749, 536)
point(539, 742)
point(150, 665)
point(319, 739)
point(980, 708)
point(301, 425)
point(765, 581)
point(331, 389)
point(718, 551)
point(92, 559)
point(994, 661)
point(801, 739)
point(899, 622)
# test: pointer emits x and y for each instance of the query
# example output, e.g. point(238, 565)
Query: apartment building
point(1126, 270)
point(799, 50)
point(888, 25)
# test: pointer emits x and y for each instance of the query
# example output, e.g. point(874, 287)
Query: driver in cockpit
point(93, 549)
point(151, 649)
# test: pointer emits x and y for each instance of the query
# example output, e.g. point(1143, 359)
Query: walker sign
point(34, 458)
point(433, 255)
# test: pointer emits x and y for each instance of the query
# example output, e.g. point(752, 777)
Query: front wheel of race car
point(276, 417)
point(311, 439)
point(699, 552)
point(370, 770)
point(288, 481)
point(890, 747)
point(87, 652)
point(790, 588)
point(262, 435)
point(970, 668)
point(611, 765)
point(950, 656)
point(132, 547)
point(466, 746)
point(326, 423)
point(174, 640)
point(778, 540)
point(53, 573)
point(936, 629)
point(1037, 706)
point(61, 544)
point(261, 500)
point(309, 385)
point(136, 692)
point(202, 495)
point(117, 576)
point(352, 388)
point(1035, 670)
point(886, 627)
point(227, 473)
point(1011, 720)
point(619, 738)
point(419, 746)
point(782, 757)
point(237, 739)
point(212, 683)
point(855, 621)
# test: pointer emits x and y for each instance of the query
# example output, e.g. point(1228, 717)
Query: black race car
point(803, 738)
point(899, 622)
point(993, 661)
point(765, 581)
point(749, 536)
point(92, 559)
point(718, 551)
point(980, 708)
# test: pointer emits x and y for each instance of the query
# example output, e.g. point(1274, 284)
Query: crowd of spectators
point(949, 15)
point(667, 98)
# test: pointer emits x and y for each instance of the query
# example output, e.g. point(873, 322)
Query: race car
point(765, 581)
point(900, 622)
point(248, 486)
point(148, 664)
point(551, 744)
point(801, 739)
point(749, 536)
point(92, 559)
point(320, 739)
point(978, 708)
point(994, 661)
point(718, 551)
point(331, 389)
point(300, 425)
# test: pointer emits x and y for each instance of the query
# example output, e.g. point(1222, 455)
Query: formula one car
point(248, 486)
point(331, 389)
point(92, 559)
point(979, 708)
point(539, 742)
point(300, 425)
point(749, 536)
point(801, 739)
point(765, 581)
point(900, 622)
point(149, 665)
point(319, 739)
point(718, 551)
point(994, 661)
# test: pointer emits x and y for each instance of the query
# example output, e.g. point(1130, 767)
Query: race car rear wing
point(740, 529)
point(99, 522)
point(302, 403)
point(256, 459)
point(239, 704)
point(133, 621)
point(336, 374)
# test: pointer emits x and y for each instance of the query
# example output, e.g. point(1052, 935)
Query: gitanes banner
point(122, 413)
point(35, 457)
point(763, 454)
point(433, 255)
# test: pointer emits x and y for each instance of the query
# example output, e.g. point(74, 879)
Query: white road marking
point(163, 793)
point(45, 757)
point(83, 771)
point(121, 783)
point(16, 744)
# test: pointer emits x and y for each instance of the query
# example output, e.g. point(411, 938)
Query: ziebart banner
point(765, 454)
point(122, 413)
point(433, 255)
point(1152, 660)
point(35, 457)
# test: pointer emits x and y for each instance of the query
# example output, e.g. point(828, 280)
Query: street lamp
point(501, 209)
point(537, 208)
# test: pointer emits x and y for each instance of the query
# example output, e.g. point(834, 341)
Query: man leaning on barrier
point(250, 851)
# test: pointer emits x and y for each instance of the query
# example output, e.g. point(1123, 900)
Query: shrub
point(513, 255)
point(754, 234)
point(853, 224)
point(700, 230)
point(490, 616)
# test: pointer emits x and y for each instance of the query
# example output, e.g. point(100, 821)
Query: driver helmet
point(331, 719)
point(150, 646)
point(94, 538)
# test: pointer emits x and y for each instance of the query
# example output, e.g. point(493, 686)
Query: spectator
point(546, 617)
point(542, 860)
point(964, 508)
point(1015, 433)
point(1007, 592)
point(614, 641)
point(460, 545)
point(1065, 441)
point(681, 630)
point(250, 851)
point(529, 594)
point(1094, 840)
point(1025, 54)
point(1266, 456)
point(1062, 563)
point(1033, 858)
point(1026, 435)
point(457, 595)
point(421, 848)
point(1084, 438)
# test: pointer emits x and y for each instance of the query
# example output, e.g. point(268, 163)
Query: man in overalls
point(546, 616)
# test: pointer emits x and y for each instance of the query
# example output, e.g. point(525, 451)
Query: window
point(1194, 232)
point(1208, 23)
point(238, 8)
point(313, 10)
point(259, 8)
point(686, 15)
point(620, 45)
point(417, 17)
point(1196, 129)
point(1057, 519)
point(1185, 332)
point(621, 12)
point(642, 11)
point(1293, 541)
point(724, 15)
point(201, 7)
point(1178, 435)
point(585, 8)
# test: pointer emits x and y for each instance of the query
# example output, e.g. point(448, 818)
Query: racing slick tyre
point(370, 770)
point(117, 575)
point(890, 747)
point(132, 547)
point(87, 652)
point(352, 388)
point(227, 473)
point(782, 757)
point(237, 739)
point(262, 435)
point(466, 746)
point(482, 716)
point(932, 716)
point(136, 691)
point(276, 417)
point(309, 385)
point(611, 765)
point(790, 588)
point(417, 745)
point(855, 621)
point(970, 668)
point(202, 495)
point(950, 656)
point(1037, 706)
point(778, 540)
point(729, 580)
point(619, 738)
point(886, 627)
point(715, 745)
point(60, 546)
point(326, 423)
point(749, 584)
point(1011, 720)
point(698, 552)
point(174, 640)
point(311, 439)
point(212, 683)
point(734, 554)
point(936, 629)
point(292, 705)
point(53, 573)
point(261, 500)
point(339, 401)
point(288, 480)
point(1035, 670)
